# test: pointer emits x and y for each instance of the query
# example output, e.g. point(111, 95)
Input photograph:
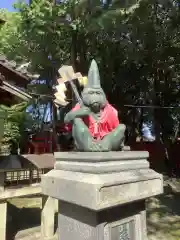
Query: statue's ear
point(93, 76)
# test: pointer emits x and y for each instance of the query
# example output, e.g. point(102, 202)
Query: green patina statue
point(94, 123)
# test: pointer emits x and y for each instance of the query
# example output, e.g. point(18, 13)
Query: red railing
point(41, 144)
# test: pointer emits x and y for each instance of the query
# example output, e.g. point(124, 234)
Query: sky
point(7, 4)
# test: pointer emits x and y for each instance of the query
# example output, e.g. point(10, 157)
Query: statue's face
point(94, 98)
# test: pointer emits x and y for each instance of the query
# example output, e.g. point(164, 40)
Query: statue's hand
point(84, 111)
point(80, 113)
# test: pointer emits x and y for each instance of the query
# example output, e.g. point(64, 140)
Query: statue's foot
point(96, 146)
point(125, 148)
point(115, 140)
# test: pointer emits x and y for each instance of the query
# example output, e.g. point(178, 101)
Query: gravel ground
point(163, 215)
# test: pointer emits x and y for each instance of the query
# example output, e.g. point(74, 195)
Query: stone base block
point(100, 191)
point(125, 222)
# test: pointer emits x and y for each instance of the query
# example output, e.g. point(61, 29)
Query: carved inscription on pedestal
point(124, 231)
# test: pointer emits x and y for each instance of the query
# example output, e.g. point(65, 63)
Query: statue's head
point(93, 95)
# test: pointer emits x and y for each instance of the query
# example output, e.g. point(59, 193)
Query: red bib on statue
point(107, 122)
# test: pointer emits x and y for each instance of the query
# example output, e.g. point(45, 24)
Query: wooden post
point(3, 210)
point(3, 213)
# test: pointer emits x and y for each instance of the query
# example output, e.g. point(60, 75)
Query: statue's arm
point(80, 113)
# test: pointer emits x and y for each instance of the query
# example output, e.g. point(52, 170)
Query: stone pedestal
point(102, 195)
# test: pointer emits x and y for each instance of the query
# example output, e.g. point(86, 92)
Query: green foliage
point(40, 25)
point(15, 124)
point(136, 46)
point(11, 43)
point(49, 28)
